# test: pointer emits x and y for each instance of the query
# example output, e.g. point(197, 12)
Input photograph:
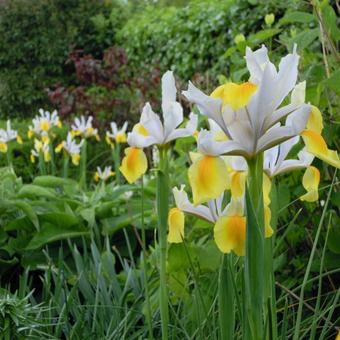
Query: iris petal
point(176, 226)
point(134, 164)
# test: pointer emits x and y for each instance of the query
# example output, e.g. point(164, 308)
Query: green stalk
point(9, 157)
point(42, 166)
point(83, 164)
point(226, 299)
point(254, 259)
point(116, 159)
point(144, 263)
point(162, 212)
point(65, 165)
point(53, 167)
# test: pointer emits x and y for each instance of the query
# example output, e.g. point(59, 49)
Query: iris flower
point(103, 175)
point(83, 127)
point(117, 135)
point(41, 125)
point(247, 112)
point(152, 131)
point(41, 147)
point(71, 147)
point(7, 135)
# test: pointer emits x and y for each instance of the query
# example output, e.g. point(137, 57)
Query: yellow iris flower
point(176, 226)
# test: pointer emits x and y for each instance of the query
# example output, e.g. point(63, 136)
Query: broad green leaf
point(53, 232)
point(53, 181)
point(263, 35)
point(178, 257)
point(31, 191)
point(304, 39)
point(301, 17)
point(333, 81)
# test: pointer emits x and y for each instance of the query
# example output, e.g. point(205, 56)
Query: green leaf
point(32, 191)
point(263, 35)
point(333, 82)
point(54, 232)
point(304, 39)
point(301, 17)
point(333, 242)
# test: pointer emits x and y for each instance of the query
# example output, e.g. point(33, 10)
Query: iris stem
point(144, 263)
point(226, 299)
point(116, 159)
point(254, 260)
point(53, 167)
point(83, 164)
point(162, 212)
point(9, 157)
point(65, 165)
point(42, 166)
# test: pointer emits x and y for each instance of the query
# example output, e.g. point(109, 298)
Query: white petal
point(279, 114)
point(189, 129)
point(173, 118)
point(208, 106)
point(168, 91)
point(124, 127)
point(114, 128)
point(298, 119)
point(137, 140)
point(152, 123)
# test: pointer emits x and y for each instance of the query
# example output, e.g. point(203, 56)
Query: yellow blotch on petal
point(120, 137)
point(75, 159)
point(139, 128)
point(310, 182)
point(317, 146)
point(45, 125)
point(208, 178)
point(267, 185)
point(268, 231)
point(238, 183)
point(230, 234)
point(3, 147)
point(315, 121)
point(134, 164)
point(220, 136)
point(176, 226)
point(45, 139)
point(235, 95)
point(19, 139)
point(59, 147)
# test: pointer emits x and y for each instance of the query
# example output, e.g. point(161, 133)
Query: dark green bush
point(36, 37)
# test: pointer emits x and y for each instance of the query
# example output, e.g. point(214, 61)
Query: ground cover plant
point(182, 181)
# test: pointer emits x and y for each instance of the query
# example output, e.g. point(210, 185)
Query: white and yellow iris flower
point(6, 136)
point(83, 127)
point(117, 135)
point(151, 130)
point(103, 175)
point(41, 148)
point(247, 112)
point(41, 125)
point(71, 147)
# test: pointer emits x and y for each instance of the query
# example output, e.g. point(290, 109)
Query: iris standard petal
point(208, 178)
point(176, 226)
point(316, 145)
point(310, 182)
point(230, 234)
point(134, 164)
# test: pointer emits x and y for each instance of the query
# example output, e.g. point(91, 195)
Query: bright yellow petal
point(59, 147)
point(208, 178)
point(237, 185)
point(267, 185)
point(47, 156)
point(30, 134)
point(310, 182)
point(235, 95)
point(317, 146)
point(139, 128)
point(109, 141)
point(194, 156)
point(97, 137)
point(32, 158)
point(75, 158)
point(96, 176)
point(45, 139)
point(3, 147)
point(315, 122)
point(176, 226)
point(19, 139)
point(134, 164)
point(121, 137)
point(230, 234)
point(268, 231)
point(59, 124)
point(44, 125)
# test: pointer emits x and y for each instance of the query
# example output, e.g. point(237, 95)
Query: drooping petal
point(75, 159)
point(267, 186)
point(134, 164)
point(317, 146)
point(268, 231)
point(315, 121)
point(176, 226)
point(208, 178)
point(230, 234)
point(310, 182)
point(237, 185)
point(3, 147)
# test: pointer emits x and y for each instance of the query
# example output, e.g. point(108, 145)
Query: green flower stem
point(83, 164)
point(66, 160)
point(116, 159)
point(42, 165)
point(162, 212)
point(226, 299)
point(254, 274)
point(53, 167)
point(145, 269)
